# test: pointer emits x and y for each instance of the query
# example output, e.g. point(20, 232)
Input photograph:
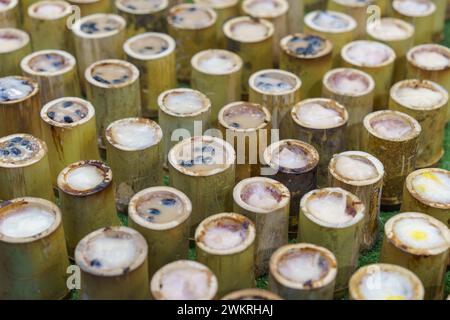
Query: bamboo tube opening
point(330, 22)
point(348, 82)
point(274, 82)
point(319, 113)
point(368, 54)
point(265, 9)
point(48, 63)
point(149, 46)
point(252, 294)
point(414, 9)
point(306, 46)
point(141, 7)
point(429, 57)
point(222, 4)
point(392, 125)
point(21, 150)
point(12, 39)
point(112, 74)
point(67, 112)
point(6, 5)
point(390, 29)
point(16, 89)
point(216, 62)
point(184, 280)
point(49, 10)
point(187, 16)
point(182, 102)
point(248, 30)
point(243, 116)
point(99, 25)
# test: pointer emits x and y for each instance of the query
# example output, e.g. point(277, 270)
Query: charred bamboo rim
point(361, 273)
point(353, 202)
point(252, 294)
point(354, 4)
point(373, 117)
point(11, 4)
point(327, 49)
point(146, 195)
point(216, 219)
point(334, 74)
point(12, 205)
point(156, 282)
point(162, 102)
point(431, 9)
point(84, 103)
point(324, 102)
point(412, 191)
point(230, 155)
point(133, 73)
point(409, 29)
point(238, 105)
point(279, 191)
point(65, 10)
point(121, 6)
point(310, 17)
point(224, 4)
point(114, 232)
point(285, 251)
point(38, 151)
point(76, 28)
point(67, 59)
point(186, 6)
point(127, 47)
point(230, 24)
point(303, 147)
point(357, 155)
point(33, 94)
point(237, 61)
point(281, 9)
point(395, 241)
point(389, 60)
point(64, 186)
point(150, 123)
point(16, 34)
point(428, 47)
point(289, 76)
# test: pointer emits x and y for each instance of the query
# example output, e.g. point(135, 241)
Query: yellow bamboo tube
point(311, 5)
point(439, 22)
point(88, 7)
point(24, 4)
point(251, 294)
point(295, 16)
point(14, 46)
point(356, 9)
point(9, 14)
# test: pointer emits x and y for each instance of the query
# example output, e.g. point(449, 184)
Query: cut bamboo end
point(9, 14)
point(88, 7)
point(252, 294)
point(356, 9)
point(167, 283)
point(15, 44)
point(382, 281)
point(33, 254)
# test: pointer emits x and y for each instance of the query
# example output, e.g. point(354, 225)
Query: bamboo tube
point(209, 184)
point(397, 34)
point(309, 57)
point(108, 271)
point(246, 127)
point(161, 215)
point(19, 106)
point(24, 168)
point(328, 137)
point(187, 280)
point(385, 7)
point(361, 174)
point(218, 74)
point(33, 256)
point(426, 191)
point(334, 218)
point(376, 59)
point(439, 22)
point(86, 193)
point(24, 4)
point(337, 27)
point(356, 9)
point(143, 16)
point(251, 294)
point(194, 29)
point(295, 16)
point(231, 255)
point(294, 164)
point(68, 126)
point(382, 281)
point(311, 5)
point(9, 14)
point(353, 89)
point(252, 40)
point(392, 137)
point(56, 73)
point(410, 249)
point(288, 279)
point(429, 111)
point(265, 202)
point(14, 45)
point(133, 151)
point(88, 7)
point(113, 88)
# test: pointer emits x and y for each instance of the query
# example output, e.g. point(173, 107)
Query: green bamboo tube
point(397, 34)
point(86, 192)
point(340, 232)
point(382, 281)
point(143, 16)
point(429, 111)
point(421, 14)
point(251, 294)
point(218, 74)
point(14, 46)
point(295, 16)
point(426, 191)
point(439, 22)
point(288, 280)
point(311, 5)
point(33, 256)
point(24, 4)
point(294, 164)
point(56, 73)
point(68, 126)
point(340, 30)
point(252, 40)
point(113, 88)
point(187, 280)
point(353, 89)
point(265, 202)
point(19, 106)
point(225, 242)
point(194, 29)
point(161, 215)
point(392, 137)
point(356, 9)
point(327, 133)
point(9, 14)
point(88, 7)
point(377, 60)
point(385, 7)
point(246, 127)
point(361, 174)
point(277, 90)
point(133, 151)
point(411, 250)
point(24, 168)
point(102, 278)
point(309, 57)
